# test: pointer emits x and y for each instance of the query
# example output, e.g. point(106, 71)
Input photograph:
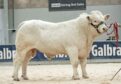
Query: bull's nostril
point(104, 29)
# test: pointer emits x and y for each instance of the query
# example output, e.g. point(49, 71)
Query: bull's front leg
point(73, 54)
point(83, 62)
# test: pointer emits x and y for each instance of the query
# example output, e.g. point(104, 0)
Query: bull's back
point(38, 34)
point(47, 37)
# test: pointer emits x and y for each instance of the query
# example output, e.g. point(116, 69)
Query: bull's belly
point(51, 51)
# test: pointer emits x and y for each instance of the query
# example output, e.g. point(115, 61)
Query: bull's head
point(97, 20)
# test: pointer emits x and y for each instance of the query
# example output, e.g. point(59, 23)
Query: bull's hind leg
point(24, 68)
point(73, 54)
point(17, 63)
point(25, 62)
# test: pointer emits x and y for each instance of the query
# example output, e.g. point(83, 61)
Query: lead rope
point(115, 30)
point(115, 25)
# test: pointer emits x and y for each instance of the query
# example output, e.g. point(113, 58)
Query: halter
point(96, 26)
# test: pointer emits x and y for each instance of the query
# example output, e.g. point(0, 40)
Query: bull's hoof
point(24, 77)
point(16, 79)
point(75, 78)
point(85, 77)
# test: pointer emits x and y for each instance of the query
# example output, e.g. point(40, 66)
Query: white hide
point(73, 37)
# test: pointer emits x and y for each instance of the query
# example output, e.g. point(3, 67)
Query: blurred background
point(104, 50)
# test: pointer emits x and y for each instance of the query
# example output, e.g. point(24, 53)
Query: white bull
point(73, 37)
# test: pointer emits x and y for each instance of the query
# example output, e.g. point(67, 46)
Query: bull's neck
point(87, 29)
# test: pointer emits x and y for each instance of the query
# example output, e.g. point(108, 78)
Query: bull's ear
point(89, 19)
point(107, 16)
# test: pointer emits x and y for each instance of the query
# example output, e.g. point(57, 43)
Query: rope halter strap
point(97, 26)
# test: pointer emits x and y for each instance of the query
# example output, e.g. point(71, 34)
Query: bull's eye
point(95, 21)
